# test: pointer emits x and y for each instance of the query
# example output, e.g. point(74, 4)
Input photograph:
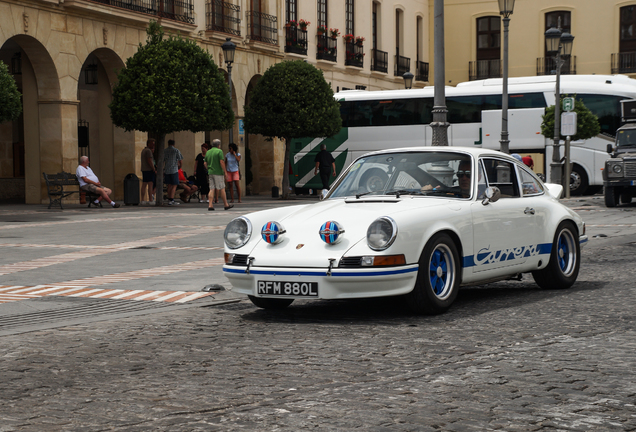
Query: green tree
point(10, 104)
point(170, 85)
point(292, 100)
point(587, 125)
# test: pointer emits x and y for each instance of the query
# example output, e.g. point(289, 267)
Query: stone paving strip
point(91, 251)
point(17, 293)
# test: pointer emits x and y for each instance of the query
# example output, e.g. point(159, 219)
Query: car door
point(505, 231)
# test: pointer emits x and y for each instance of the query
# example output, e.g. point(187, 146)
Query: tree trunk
point(161, 138)
point(285, 191)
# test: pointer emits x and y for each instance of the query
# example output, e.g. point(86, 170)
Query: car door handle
point(529, 211)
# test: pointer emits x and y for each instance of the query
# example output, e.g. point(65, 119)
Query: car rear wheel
point(438, 277)
point(565, 260)
point(270, 303)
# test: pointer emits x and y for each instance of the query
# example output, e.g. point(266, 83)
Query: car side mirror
point(492, 194)
point(610, 149)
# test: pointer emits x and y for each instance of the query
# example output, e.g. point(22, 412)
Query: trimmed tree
point(292, 100)
point(10, 98)
point(587, 125)
point(170, 85)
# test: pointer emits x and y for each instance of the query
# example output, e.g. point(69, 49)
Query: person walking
point(232, 173)
point(215, 163)
point(148, 173)
point(172, 159)
point(324, 163)
point(201, 173)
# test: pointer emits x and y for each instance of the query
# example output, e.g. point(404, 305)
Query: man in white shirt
point(89, 182)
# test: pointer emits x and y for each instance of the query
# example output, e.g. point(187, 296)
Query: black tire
point(578, 181)
point(611, 196)
point(565, 259)
point(270, 303)
point(438, 278)
point(373, 180)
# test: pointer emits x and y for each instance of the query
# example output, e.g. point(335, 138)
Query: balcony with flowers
point(327, 43)
point(296, 37)
point(354, 50)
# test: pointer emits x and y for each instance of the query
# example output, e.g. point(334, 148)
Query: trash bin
point(275, 192)
point(131, 189)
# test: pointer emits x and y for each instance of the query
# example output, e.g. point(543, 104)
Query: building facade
point(65, 54)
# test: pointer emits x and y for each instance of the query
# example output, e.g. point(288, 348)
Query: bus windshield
point(423, 173)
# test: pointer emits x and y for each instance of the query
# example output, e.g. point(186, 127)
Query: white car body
point(494, 240)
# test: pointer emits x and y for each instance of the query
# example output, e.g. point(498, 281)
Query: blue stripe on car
point(335, 273)
point(486, 257)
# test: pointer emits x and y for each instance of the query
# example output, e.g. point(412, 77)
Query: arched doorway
point(35, 142)
point(113, 152)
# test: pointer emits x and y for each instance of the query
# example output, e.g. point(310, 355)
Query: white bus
point(376, 120)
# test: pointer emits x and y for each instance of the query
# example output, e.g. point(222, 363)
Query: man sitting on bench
point(89, 182)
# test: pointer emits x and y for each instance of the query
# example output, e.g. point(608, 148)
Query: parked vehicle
point(619, 174)
point(376, 120)
point(418, 222)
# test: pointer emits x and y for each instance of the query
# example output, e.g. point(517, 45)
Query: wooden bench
point(64, 184)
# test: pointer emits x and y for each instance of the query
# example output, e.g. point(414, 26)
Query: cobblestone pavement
point(507, 356)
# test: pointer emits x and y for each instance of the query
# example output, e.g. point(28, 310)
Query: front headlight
point(237, 232)
point(381, 233)
point(615, 170)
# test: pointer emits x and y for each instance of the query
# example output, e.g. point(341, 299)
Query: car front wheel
point(438, 277)
point(565, 260)
point(611, 196)
point(270, 303)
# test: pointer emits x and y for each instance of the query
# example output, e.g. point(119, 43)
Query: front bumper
point(341, 284)
point(619, 183)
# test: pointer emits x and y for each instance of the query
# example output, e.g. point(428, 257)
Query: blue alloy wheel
point(565, 259)
point(441, 270)
point(566, 252)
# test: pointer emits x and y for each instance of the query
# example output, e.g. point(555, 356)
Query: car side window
point(530, 186)
point(503, 175)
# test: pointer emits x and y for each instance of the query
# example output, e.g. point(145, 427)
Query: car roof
point(475, 152)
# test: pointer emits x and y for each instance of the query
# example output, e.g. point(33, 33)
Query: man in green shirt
point(215, 163)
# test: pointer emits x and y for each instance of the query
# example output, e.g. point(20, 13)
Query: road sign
point(568, 104)
point(568, 123)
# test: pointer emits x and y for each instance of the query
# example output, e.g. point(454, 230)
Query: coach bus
point(376, 120)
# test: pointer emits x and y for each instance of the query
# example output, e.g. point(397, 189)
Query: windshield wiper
point(406, 192)
point(363, 194)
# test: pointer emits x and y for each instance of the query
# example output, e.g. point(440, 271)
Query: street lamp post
point(408, 80)
point(439, 125)
point(229, 48)
point(559, 45)
point(505, 8)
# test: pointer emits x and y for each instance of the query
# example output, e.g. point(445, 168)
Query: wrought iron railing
point(262, 27)
point(379, 60)
point(402, 65)
point(483, 69)
point(223, 17)
point(327, 48)
point(624, 62)
point(177, 10)
point(547, 66)
point(421, 71)
point(354, 54)
point(295, 40)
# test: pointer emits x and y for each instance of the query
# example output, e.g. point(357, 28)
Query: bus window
point(526, 100)
point(607, 108)
point(464, 109)
point(398, 112)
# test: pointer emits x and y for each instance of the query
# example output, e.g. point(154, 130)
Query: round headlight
point(381, 233)
point(237, 232)
point(617, 168)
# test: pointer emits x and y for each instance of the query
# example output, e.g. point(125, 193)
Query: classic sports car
point(417, 222)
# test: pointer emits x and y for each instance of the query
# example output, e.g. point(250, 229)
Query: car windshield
point(409, 173)
point(626, 138)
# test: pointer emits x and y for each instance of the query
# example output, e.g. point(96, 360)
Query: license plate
point(291, 289)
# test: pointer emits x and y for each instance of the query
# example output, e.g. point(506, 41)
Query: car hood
point(302, 246)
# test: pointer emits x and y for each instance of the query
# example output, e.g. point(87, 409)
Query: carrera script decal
point(485, 256)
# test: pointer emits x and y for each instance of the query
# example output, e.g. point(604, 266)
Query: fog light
point(367, 261)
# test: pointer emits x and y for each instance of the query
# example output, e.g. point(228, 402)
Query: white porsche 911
point(416, 222)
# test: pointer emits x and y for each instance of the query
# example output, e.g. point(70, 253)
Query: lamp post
point(505, 8)
point(408, 80)
point(229, 48)
point(558, 45)
point(439, 125)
